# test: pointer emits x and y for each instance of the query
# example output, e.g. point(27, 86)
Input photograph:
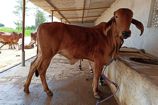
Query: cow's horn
point(139, 25)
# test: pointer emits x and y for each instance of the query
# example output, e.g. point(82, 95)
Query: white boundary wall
point(141, 9)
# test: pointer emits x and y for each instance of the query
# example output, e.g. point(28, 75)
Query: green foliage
point(27, 31)
point(40, 18)
point(1, 25)
point(18, 12)
point(31, 27)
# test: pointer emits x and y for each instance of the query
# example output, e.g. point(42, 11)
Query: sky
point(7, 17)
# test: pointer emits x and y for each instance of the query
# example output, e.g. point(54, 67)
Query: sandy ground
point(12, 57)
point(70, 85)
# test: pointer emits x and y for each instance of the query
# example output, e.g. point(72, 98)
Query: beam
point(23, 33)
point(48, 1)
point(61, 19)
point(84, 6)
point(80, 9)
point(84, 17)
point(52, 15)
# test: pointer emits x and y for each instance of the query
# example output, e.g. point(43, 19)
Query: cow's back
point(49, 37)
point(69, 40)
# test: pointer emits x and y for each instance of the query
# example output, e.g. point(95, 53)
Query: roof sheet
point(74, 10)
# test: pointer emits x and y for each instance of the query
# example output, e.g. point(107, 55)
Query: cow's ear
point(111, 21)
point(107, 26)
point(106, 29)
point(139, 25)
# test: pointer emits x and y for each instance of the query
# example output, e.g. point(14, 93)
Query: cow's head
point(121, 22)
point(20, 35)
point(15, 34)
point(34, 36)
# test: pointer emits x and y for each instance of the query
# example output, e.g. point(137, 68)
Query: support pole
point(23, 34)
point(51, 4)
point(83, 13)
point(52, 15)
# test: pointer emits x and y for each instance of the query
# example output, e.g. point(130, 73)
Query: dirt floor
point(70, 86)
point(12, 57)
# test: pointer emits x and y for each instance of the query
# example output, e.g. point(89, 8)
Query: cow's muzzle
point(126, 34)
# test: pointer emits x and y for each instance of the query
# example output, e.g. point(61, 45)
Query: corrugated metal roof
point(74, 10)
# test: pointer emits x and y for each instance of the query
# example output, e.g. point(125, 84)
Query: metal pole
point(52, 15)
point(23, 34)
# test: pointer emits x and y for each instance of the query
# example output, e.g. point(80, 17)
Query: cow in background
point(10, 38)
point(33, 41)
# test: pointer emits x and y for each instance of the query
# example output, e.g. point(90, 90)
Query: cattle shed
point(135, 71)
point(136, 80)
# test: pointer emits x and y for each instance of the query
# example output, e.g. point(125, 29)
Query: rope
point(107, 80)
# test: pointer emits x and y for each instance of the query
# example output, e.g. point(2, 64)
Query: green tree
point(1, 25)
point(39, 18)
point(18, 12)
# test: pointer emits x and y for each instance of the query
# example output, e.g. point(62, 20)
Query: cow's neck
point(117, 41)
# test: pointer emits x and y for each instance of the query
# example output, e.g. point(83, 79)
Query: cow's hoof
point(91, 70)
point(80, 67)
point(26, 90)
point(49, 93)
point(97, 96)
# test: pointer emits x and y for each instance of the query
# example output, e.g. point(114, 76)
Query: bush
point(1, 25)
point(27, 31)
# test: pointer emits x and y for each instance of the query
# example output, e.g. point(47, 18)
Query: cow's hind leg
point(42, 71)
point(2, 46)
point(33, 68)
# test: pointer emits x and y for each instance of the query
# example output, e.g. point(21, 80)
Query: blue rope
point(105, 80)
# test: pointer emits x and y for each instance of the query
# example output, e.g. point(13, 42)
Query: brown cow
point(16, 38)
point(32, 42)
point(10, 38)
point(34, 36)
point(2, 33)
point(99, 44)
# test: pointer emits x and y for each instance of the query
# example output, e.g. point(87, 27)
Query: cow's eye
point(116, 16)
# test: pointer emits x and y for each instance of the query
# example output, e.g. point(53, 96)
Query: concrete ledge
point(135, 88)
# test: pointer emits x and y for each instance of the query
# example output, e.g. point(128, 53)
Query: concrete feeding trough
point(145, 60)
point(136, 74)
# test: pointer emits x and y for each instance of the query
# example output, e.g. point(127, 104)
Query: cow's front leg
point(97, 73)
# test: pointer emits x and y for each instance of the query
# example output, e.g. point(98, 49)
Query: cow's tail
point(38, 51)
point(36, 73)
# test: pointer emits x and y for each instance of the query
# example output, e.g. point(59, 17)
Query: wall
point(141, 9)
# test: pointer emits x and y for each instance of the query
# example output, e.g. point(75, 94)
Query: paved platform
point(69, 85)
